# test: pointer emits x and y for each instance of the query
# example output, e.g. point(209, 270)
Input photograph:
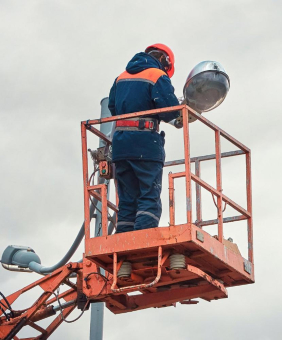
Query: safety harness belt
point(141, 124)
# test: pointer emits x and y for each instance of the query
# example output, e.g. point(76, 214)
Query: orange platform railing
point(100, 191)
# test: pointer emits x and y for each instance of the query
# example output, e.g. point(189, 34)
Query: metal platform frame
point(212, 263)
point(214, 256)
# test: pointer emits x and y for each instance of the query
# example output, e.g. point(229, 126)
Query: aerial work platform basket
point(168, 264)
point(155, 267)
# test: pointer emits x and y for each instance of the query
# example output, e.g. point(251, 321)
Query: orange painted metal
point(85, 181)
point(219, 185)
point(104, 210)
point(40, 309)
point(189, 177)
point(212, 263)
point(163, 298)
point(99, 134)
point(204, 158)
point(213, 191)
point(100, 198)
point(206, 253)
point(249, 207)
point(171, 200)
point(180, 239)
point(198, 193)
point(139, 286)
point(135, 114)
point(224, 197)
point(105, 203)
point(216, 128)
point(117, 198)
point(187, 164)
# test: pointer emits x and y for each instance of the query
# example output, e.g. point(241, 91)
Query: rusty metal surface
point(187, 173)
point(137, 287)
point(182, 238)
point(168, 287)
point(41, 308)
point(215, 257)
point(140, 239)
point(208, 288)
point(231, 259)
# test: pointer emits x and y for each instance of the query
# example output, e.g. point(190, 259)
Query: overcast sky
point(58, 59)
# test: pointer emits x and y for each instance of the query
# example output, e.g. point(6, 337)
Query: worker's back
point(143, 86)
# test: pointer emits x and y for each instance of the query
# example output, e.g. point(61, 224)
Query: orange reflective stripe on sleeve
point(150, 75)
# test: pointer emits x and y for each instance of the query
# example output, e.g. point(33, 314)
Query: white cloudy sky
point(59, 59)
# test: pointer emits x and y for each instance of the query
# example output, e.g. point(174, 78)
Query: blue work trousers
point(139, 189)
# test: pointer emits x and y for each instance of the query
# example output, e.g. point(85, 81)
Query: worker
point(138, 147)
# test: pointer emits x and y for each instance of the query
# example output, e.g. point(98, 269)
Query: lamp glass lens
point(206, 91)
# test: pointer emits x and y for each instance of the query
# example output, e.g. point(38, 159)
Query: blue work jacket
point(143, 86)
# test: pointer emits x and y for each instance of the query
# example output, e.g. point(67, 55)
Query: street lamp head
point(206, 86)
point(17, 258)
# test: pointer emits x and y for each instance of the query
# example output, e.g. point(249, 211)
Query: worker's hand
point(178, 123)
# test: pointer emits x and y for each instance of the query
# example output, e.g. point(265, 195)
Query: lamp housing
point(206, 86)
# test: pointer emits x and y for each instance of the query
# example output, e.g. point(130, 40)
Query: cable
point(87, 303)
point(26, 309)
point(6, 315)
point(216, 204)
point(1, 303)
point(61, 310)
point(93, 204)
point(8, 304)
point(92, 175)
point(98, 273)
point(38, 268)
point(110, 218)
point(102, 276)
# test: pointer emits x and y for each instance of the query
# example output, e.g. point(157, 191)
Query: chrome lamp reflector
point(206, 86)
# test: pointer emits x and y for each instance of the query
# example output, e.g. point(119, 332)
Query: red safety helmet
point(169, 53)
